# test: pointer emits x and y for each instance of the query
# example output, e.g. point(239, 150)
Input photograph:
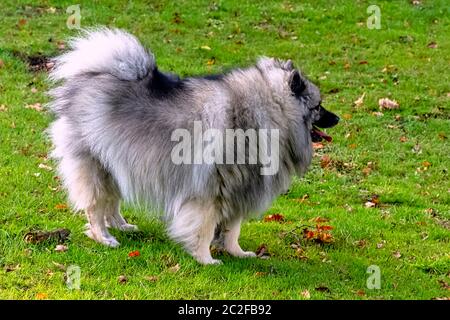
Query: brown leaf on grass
point(305, 294)
point(302, 199)
point(325, 161)
point(22, 22)
point(374, 201)
point(276, 217)
point(360, 101)
point(426, 164)
point(3, 108)
point(397, 254)
point(360, 293)
point(403, 139)
point(381, 244)
point(2, 64)
point(34, 90)
point(175, 268)
point(211, 61)
point(366, 171)
point(441, 298)
point(347, 116)
point(61, 248)
point(45, 167)
point(41, 296)
point(36, 106)
point(444, 284)
point(152, 278)
point(39, 236)
point(122, 279)
point(61, 206)
point(10, 267)
point(432, 45)
point(323, 289)
point(262, 251)
point(387, 104)
point(260, 273)
point(361, 243)
point(59, 266)
point(363, 62)
point(318, 145)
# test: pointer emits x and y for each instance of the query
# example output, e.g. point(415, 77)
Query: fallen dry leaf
point(45, 167)
point(397, 254)
point(432, 45)
point(305, 294)
point(262, 251)
point(59, 266)
point(22, 22)
point(387, 104)
point(426, 164)
point(34, 90)
point(61, 206)
point(134, 254)
point(10, 268)
point(260, 273)
point(3, 108)
point(347, 116)
point(151, 278)
point(360, 101)
point(41, 296)
point(205, 48)
point(403, 139)
point(378, 114)
point(317, 145)
point(276, 217)
point(122, 279)
point(175, 268)
point(325, 161)
point(302, 199)
point(444, 284)
point(381, 244)
point(211, 61)
point(61, 248)
point(36, 106)
point(441, 298)
point(2, 64)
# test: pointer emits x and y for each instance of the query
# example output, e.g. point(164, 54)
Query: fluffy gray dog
point(116, 115)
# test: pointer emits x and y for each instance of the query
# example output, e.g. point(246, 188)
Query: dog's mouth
point(318, 135)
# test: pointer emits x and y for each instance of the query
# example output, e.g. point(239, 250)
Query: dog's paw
point(247, 254)
point(208, 260)
point(109, 241)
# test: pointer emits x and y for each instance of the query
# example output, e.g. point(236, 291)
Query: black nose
point(326, 119)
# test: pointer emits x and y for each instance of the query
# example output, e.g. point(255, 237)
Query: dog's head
point(306, 93)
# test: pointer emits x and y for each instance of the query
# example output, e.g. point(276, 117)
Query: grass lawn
point(400, 155)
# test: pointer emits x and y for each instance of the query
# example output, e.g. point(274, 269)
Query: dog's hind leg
point(193, 226)
point(231, 232)
point(90, 189)
point(114, 219)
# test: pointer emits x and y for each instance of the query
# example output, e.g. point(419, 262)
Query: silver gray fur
point(112, 137)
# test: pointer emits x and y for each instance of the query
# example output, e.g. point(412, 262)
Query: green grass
point(328, 40)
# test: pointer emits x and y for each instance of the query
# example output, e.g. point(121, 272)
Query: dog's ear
point(297, 84)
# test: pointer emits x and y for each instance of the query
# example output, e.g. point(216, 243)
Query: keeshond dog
point(116, 114)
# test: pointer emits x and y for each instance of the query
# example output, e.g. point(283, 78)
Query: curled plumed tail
point(110, 51)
